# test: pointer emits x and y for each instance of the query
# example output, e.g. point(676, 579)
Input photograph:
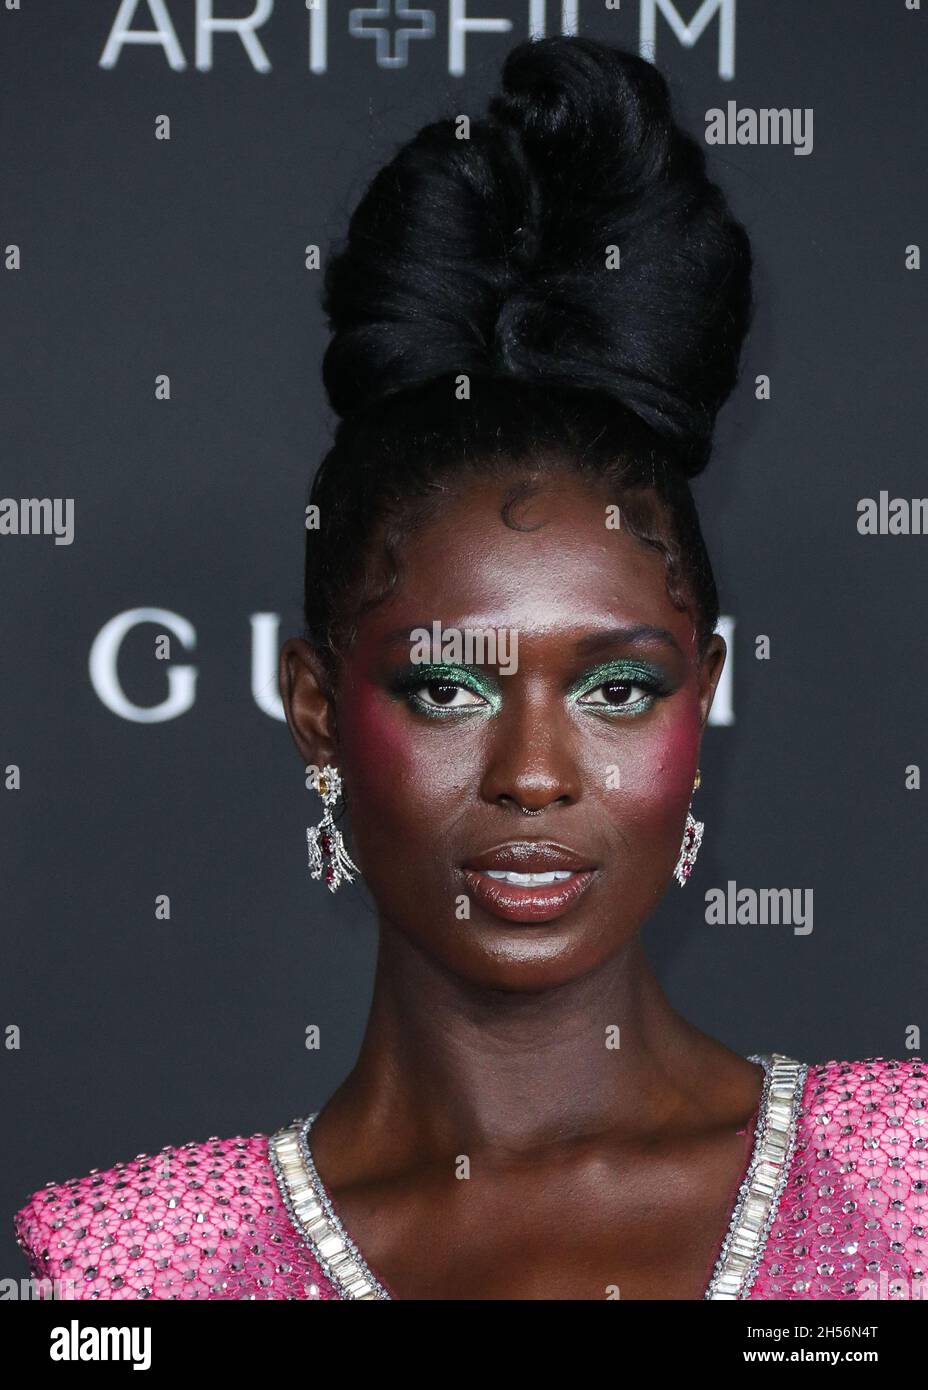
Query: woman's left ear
point(710, 672)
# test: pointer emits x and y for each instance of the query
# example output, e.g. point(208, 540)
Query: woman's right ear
point(309, 711)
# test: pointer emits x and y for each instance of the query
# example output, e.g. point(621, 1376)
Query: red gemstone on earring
point(329, 874)
point(326, 843)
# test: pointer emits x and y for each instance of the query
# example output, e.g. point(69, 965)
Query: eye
point(619, 695)
point(445, 693)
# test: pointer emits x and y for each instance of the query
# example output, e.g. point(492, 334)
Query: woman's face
point(589, 710)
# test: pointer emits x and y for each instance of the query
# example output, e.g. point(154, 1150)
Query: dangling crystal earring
point(692, 839)
point(327, 854)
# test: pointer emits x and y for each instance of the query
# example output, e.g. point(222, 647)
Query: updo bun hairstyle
point(491, 256)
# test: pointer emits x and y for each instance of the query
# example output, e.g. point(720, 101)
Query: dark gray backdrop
point(185, 257)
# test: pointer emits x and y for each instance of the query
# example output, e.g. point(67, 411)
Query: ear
point(309, 710)
point(710, 672)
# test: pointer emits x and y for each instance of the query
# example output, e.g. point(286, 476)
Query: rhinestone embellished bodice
point(834, 1205)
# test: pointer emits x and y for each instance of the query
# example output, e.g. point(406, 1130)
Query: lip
point(530, 856)
point(533, 904)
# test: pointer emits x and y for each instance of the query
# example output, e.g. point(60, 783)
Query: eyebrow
point(587, 646)
point(619, 636)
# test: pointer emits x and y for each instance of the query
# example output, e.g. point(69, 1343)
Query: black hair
point(567, 255)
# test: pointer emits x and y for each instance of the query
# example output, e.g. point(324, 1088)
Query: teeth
point(528, 880)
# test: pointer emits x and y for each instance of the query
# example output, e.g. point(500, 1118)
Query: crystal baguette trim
point(759, 1194)
point(314, 1217)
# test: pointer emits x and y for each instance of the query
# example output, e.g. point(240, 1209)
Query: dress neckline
point(314, 1216)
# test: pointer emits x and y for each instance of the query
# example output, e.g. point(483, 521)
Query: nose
point(530, 761)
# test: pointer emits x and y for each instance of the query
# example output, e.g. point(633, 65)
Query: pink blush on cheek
point(674, 759)
point(658, 788)
point(377, 745)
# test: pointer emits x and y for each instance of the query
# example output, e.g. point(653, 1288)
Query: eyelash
point(653, 692)
point(410, 686)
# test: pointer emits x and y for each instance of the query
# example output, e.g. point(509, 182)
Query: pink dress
point(833, 1204)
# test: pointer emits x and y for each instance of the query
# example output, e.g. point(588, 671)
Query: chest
point(609, 1235)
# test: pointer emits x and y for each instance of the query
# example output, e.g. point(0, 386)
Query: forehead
point(564, 560)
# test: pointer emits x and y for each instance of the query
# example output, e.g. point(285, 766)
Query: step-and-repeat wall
point(165, 166)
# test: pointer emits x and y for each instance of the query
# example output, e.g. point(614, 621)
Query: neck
point(449, 1066)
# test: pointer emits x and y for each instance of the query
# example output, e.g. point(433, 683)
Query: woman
point(509, 661)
